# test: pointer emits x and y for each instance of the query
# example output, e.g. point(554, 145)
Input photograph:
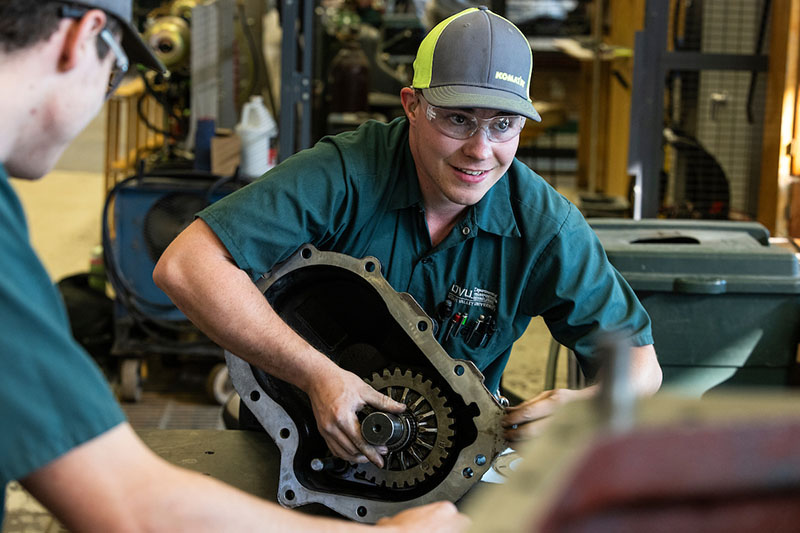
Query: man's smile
point(471, 175)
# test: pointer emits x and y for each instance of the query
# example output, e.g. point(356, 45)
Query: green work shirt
point(522, 251)
point(53, 397)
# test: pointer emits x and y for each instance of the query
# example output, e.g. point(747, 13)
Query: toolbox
point(724, 302)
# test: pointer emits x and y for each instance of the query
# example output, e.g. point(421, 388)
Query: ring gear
point(431, 430)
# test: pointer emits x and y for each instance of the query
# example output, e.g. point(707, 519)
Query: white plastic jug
point(256, 130)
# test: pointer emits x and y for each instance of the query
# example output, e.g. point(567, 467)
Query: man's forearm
point(198, 274)
point(645, 370)
point(193, 502)
point(114, 483)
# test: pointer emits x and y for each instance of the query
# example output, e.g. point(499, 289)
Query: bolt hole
point(289, 494)
point(467, 473)
point(459, 370)
point(255, 395)
point(285, 433)
point(376, 428)
point(369, 266)
point(422, 325)
point(306, 253)
point(362, 511)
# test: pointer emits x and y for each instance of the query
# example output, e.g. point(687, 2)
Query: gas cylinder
point(348, 82)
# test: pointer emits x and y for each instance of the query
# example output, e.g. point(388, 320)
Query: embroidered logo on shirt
point(473, 297)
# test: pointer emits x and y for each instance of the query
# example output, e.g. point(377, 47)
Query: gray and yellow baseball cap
point(476, 58)
point(132, 43)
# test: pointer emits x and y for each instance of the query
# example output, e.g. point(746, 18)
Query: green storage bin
point(725, 305)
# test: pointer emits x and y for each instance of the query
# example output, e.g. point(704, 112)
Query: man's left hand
point(528, 419)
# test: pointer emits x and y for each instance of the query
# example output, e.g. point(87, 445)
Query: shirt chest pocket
point(471, 334)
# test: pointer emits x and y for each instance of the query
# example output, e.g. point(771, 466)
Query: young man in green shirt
point(438, 197)
point(62, 434)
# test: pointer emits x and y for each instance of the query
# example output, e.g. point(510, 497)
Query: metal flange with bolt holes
point(454, 445)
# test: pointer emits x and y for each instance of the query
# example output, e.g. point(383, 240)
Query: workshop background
point(672, 124)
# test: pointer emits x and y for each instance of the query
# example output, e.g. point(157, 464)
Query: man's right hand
point(336, 398)
point(440, 517)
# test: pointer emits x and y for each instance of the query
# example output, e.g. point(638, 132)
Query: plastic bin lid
point(702, 257)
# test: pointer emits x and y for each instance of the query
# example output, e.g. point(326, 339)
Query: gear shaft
point(418, 448)
point(383, 429)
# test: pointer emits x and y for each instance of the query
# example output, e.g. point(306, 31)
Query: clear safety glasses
point(461, 125)
point(121, 62)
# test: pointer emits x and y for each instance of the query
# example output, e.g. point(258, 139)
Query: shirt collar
point(493, 213)
point(406, 188)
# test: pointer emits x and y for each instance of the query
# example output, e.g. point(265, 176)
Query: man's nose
point(478, 146)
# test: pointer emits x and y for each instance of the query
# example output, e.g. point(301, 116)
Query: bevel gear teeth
point(426, 395)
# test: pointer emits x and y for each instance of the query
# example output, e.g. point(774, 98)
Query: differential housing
point(438, 448)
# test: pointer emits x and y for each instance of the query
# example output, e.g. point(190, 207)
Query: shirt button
point(465, 231)
point(426, 260)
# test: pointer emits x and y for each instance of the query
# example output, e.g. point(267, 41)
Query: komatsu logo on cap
point(509, 77)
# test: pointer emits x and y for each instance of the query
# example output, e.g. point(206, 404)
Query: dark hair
point(24, 23)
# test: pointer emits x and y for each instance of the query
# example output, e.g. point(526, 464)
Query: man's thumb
point(383, 402)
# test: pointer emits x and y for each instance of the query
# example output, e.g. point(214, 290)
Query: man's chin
point(466, 200)
point(28, 170)
point(25, 176)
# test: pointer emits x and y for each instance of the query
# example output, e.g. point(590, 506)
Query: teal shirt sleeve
point(581, 296)
point(304, 194)
point(327, 195)
point(53, 397)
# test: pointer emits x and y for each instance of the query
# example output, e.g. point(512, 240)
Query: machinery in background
point(723, 300)
point(215, 62)
point(708, 88)
point(438, 448)
point(364, 59)
point(706, 191)
point(168, 32)
point(159, 132)
point(142, 215)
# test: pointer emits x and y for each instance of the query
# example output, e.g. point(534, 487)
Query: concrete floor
point(64, 211)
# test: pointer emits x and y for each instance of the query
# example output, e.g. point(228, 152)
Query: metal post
point(646, 154)
point(617, 397)
point(305, 75)
point(594, 131)
point(288, 69)
point(295, 83)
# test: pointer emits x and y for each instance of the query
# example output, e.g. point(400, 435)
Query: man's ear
point(80, 38)
point(410, 101)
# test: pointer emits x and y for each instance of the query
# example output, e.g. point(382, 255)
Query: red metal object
point(705, 478)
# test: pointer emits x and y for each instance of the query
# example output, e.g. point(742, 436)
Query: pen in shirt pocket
point(454, 322)
point(488, 331)
point(473, 330)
